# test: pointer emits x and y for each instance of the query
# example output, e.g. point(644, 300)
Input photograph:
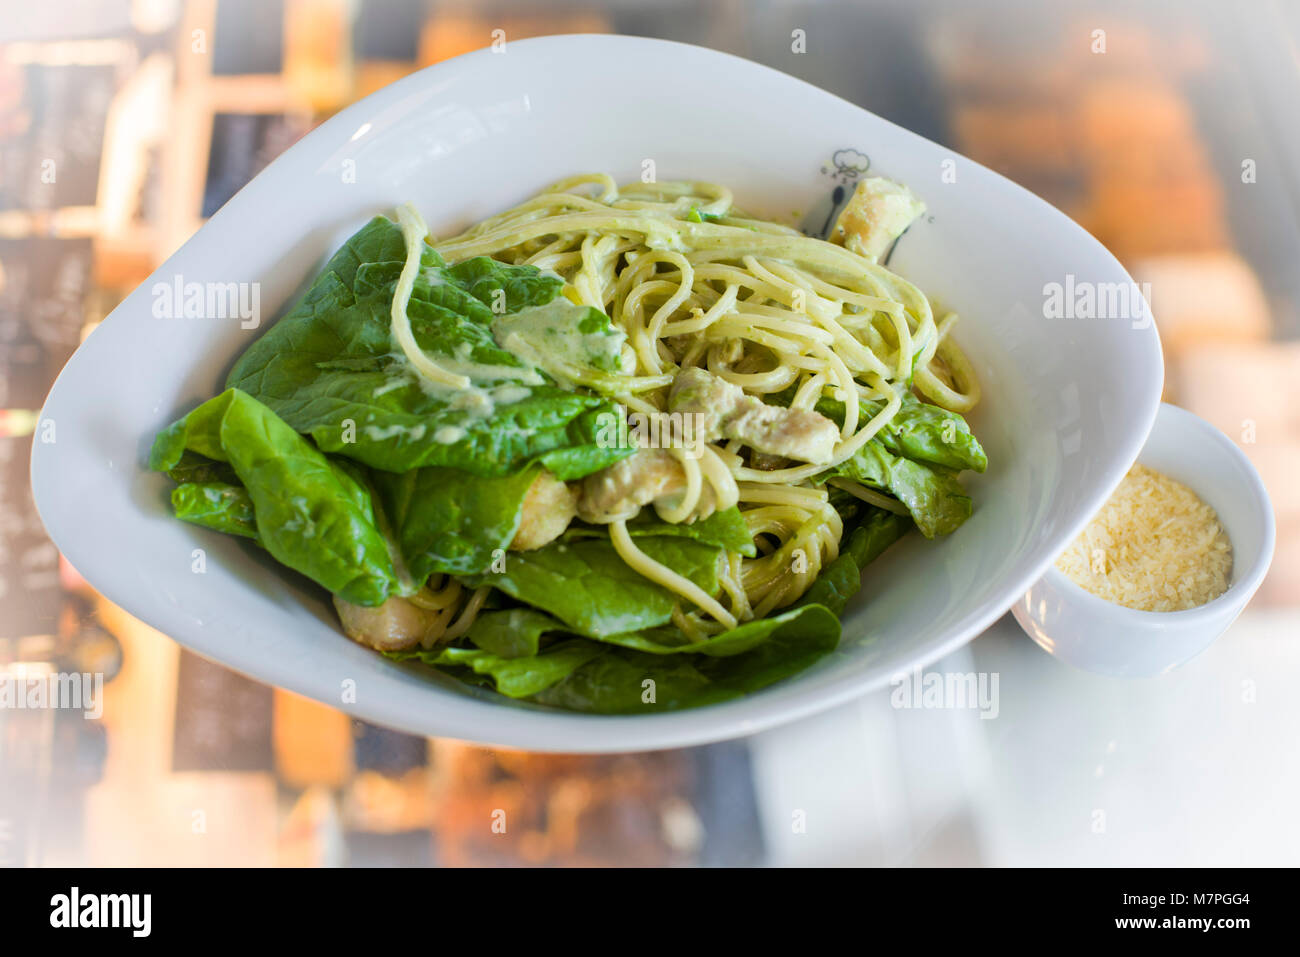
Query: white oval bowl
point(1067, 403)
point(1096, 635)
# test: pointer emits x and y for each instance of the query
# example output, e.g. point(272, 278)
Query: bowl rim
point(1238, 592)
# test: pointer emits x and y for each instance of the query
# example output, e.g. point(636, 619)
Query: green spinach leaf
point(512, 632)
point(667, 640)
point(878, 531)
point(586, 585)
point(933, 496)
point(330, 368)
point(726, 529)
point(449, 521)
point(220, 506)
point(627, 680)
point(920, 431)
point(927, 433)
point(310, 514)
point(518, 677)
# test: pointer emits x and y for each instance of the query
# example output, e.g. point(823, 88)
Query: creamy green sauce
point(510, 394)
point(394, 383)
point(551, 337)
point(378, 433)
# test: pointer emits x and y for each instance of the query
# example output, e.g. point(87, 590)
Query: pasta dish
point(616, 449)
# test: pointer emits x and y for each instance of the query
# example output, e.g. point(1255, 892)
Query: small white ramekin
point(1096, 635)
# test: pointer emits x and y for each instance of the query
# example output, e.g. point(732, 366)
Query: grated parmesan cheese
point(1154, 546)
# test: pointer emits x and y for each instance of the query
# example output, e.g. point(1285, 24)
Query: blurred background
point(1167, 129)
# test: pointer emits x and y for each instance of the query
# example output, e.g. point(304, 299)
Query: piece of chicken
point(877, 214)
point(392, 626)
point(731, 414)
point(549, 506)
point(646, 477)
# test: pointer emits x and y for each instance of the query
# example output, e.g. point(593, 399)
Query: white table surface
point(1198, 767)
